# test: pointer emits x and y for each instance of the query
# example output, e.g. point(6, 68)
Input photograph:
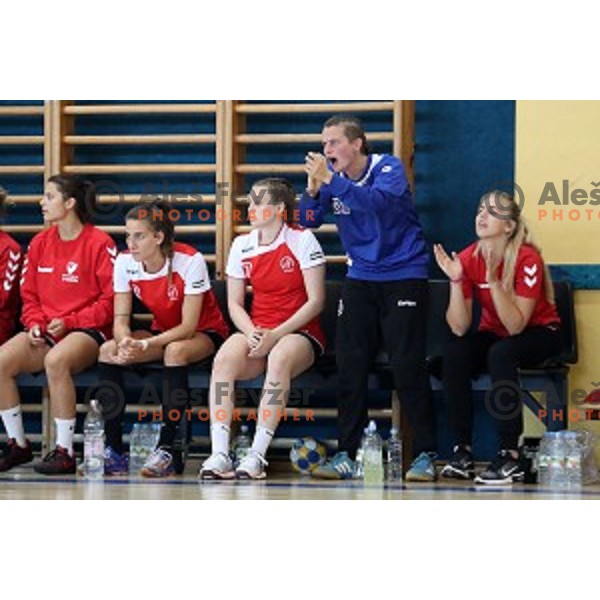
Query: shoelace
point(158, 457)
point(501, 459)
point(52, 455)
point(257, 456)
point(212, 459)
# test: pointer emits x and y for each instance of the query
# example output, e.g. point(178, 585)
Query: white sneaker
point(158, 464)
point(252, 466)
point(217, 466)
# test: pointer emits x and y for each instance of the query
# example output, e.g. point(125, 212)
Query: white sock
point(65, 430)
point(219, 438)
point(13, 423)
point(262, 439)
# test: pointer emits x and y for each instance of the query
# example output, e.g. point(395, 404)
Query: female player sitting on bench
point(66, 288)
point(172, 282)
point(280, 337)
point(519, 327)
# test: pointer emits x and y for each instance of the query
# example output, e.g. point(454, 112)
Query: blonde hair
point(507, 209)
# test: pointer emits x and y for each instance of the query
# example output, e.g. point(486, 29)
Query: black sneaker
point(461, 464)
point(505, 469)
point(56, 462)
point(14, 455)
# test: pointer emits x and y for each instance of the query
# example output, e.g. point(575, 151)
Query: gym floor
point(282, 484)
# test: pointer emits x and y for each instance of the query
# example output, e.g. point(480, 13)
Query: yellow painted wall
point(557, 141)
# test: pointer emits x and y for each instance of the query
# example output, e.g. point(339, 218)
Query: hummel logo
point(316, 255)
point(13, 266)
point(530, 281)
point(531, 271)
point(7, 286)
point(248, 249)
point(112, 251)
point(10, 276)
point(14, 256)
point(386, 169)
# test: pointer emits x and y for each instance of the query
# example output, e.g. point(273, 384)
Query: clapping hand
point(452, 267)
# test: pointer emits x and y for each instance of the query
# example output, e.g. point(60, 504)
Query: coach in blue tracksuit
point(385, 293)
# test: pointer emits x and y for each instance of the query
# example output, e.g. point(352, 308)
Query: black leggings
point(112, 398)
point(397, 312)
point(468, 356)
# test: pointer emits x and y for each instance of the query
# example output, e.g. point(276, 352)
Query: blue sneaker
point(421, 469)
point(115, 463)
point(341, 466)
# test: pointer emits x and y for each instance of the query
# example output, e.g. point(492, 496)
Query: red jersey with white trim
point(529, 283)
point(11, 257)
point(70, 280)
point(189, 276)
point(275, 273)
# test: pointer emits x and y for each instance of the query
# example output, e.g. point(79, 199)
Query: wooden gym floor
point(282, 484)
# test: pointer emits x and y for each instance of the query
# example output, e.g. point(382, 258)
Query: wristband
point(456, 280)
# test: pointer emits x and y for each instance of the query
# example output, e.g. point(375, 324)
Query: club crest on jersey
point(339, 208)
point(247, 267)
point(69, 276)
point(173, 293)
point(287, 264)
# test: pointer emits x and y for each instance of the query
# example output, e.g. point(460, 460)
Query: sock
point(112, 400)
point(262, 439)
point(13, 423)
point(219, 438)
point(176, 400)
point(65, 429)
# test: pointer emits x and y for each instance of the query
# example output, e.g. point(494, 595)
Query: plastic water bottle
point(543, 461)
point(572, 451)
point(359, 472)
point(394, 457)
point(142, 442)
point(136, 461)
point(93, 442)
point(556, 455)
point(373, 457)
point(241, 445)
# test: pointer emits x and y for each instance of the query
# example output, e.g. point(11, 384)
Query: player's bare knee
point(175, 354)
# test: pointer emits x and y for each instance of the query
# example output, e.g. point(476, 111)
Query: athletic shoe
point(461, 465)
point(217, 466)
point(421, 469)
point(56, 462)
point(13, 455)
point(115, 463)
point(158, 464)
point(505, 469)
point(340, 466)
point(252, 466)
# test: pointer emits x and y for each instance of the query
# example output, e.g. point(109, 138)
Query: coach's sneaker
point(461, 464)
point(115, 463)
point(252, 466)
point(158, 464)
point(504, 469)
point(217, 466)
point(14, 455)
point(340, 466)
point(56, 462)
point(421, 469)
